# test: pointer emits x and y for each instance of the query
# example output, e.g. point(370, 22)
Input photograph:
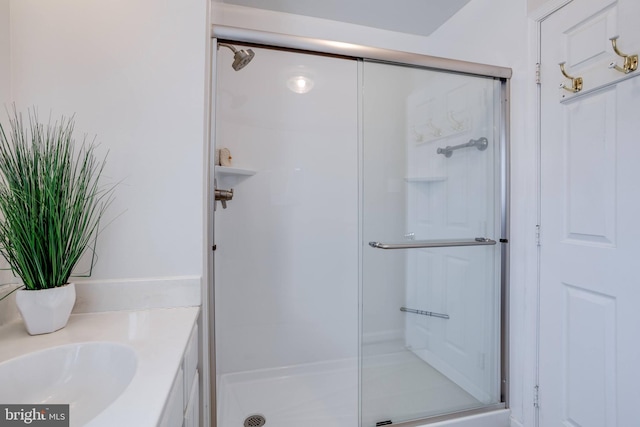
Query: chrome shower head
point(240, 57)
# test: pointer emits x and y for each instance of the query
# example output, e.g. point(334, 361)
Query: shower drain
point(254, 421)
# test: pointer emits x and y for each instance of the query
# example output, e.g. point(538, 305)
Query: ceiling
point(421, 17)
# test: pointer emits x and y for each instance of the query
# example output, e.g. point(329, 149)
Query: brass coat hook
point(630, 61)
point(576, 82)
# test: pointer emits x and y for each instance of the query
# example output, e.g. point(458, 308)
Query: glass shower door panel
point(430, 293)
point(286, 259)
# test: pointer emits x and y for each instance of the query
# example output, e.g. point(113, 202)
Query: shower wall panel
point(286, 264)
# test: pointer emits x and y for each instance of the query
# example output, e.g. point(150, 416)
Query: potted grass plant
point(51, 203)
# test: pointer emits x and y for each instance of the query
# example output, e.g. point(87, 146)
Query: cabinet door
point(173, 411)
point(190, 364)
point(192, 413)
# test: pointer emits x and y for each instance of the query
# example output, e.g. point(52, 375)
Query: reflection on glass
point(300, 84)
point(430, 316)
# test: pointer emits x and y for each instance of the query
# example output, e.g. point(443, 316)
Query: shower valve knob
point(223, 196)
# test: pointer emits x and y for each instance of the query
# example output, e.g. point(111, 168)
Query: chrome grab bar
point(480, 143)
point(424, 312)
point(416, 244)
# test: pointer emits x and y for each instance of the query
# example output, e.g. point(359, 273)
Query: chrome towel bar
point(416, 244)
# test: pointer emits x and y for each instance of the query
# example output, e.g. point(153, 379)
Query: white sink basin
point(88, 376)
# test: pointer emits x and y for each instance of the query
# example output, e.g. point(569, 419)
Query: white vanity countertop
point(158, 336)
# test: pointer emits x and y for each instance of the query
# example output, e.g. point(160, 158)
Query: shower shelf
point(227, 170)
point(426, 179)
point(229, 177)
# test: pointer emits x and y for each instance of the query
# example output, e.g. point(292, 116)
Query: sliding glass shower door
point(431, 224)
point(358, 265)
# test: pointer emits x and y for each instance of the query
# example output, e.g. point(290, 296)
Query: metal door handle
point(416, 244)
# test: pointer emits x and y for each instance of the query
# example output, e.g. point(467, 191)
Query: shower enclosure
point(360, 265)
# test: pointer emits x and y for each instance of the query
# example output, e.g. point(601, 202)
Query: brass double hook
point(630, 64)
point(576, 82)
point(630, 61)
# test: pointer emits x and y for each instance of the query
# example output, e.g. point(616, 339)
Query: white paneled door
point(590, 218)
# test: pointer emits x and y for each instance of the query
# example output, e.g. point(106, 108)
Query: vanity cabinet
point(183, 404)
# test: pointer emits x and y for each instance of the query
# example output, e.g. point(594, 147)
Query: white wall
point(535, 4)
point(283, 23)
point(541, 8)
point(133, 73)
point(502, 37)
point(5, 54)
point(5, 101)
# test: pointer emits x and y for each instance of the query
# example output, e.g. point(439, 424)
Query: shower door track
point(447, 417)
point(301, 44)
point(346, 50)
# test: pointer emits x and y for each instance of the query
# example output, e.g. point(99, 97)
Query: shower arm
point(233, 49)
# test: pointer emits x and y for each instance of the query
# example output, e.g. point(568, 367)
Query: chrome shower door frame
point(325, 47)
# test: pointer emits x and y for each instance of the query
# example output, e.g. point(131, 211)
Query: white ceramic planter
point(46, 310)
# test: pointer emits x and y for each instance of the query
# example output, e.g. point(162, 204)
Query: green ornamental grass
point(51, 199)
